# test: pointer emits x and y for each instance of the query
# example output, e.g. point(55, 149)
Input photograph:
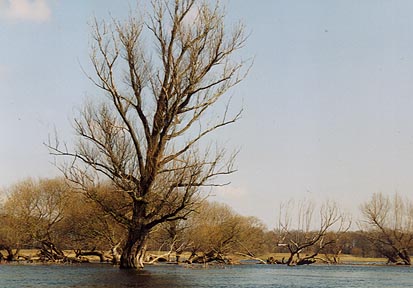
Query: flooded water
point(230, 276)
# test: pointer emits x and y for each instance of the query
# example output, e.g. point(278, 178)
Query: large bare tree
point(388, 225)
point(162, 73)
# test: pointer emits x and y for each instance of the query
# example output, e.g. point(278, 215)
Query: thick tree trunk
point(49, 252)
point(290, 260)
point(396, 256)
point(404, 255)
point(133, 254)
point(128, 259)
point(10, 255)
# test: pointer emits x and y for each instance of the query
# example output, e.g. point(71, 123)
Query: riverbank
point(32, 254)
point(321, 259)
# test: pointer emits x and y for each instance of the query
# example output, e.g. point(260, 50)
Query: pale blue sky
point(328, 103)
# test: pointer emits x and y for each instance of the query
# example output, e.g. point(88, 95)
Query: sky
point(327, 104)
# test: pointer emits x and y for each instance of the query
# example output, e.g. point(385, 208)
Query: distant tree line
point(52, 217)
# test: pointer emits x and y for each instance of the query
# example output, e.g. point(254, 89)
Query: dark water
point(231, 276)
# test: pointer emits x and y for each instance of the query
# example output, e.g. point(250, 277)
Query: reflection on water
point(229, 276)
point(85, 276)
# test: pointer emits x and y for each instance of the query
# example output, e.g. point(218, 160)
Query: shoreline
point(345, 259)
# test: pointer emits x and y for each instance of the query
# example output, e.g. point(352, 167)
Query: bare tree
point(301, 233)
point(216, 231)
point(388, 225)
point(36, 208)
point(10, 238)
point(213, 233)
point(145, 138)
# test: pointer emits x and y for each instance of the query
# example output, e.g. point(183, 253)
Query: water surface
point(229, 276)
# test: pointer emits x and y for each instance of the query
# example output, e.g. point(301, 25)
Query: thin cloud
point(26, 10)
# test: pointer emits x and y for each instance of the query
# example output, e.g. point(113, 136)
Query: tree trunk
point(128, 259)
point(99, 254)
point(49, 252)
point(133, 254)
point(10, 255)
point(115, 254)
point(404, 255)
point(290, 260)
